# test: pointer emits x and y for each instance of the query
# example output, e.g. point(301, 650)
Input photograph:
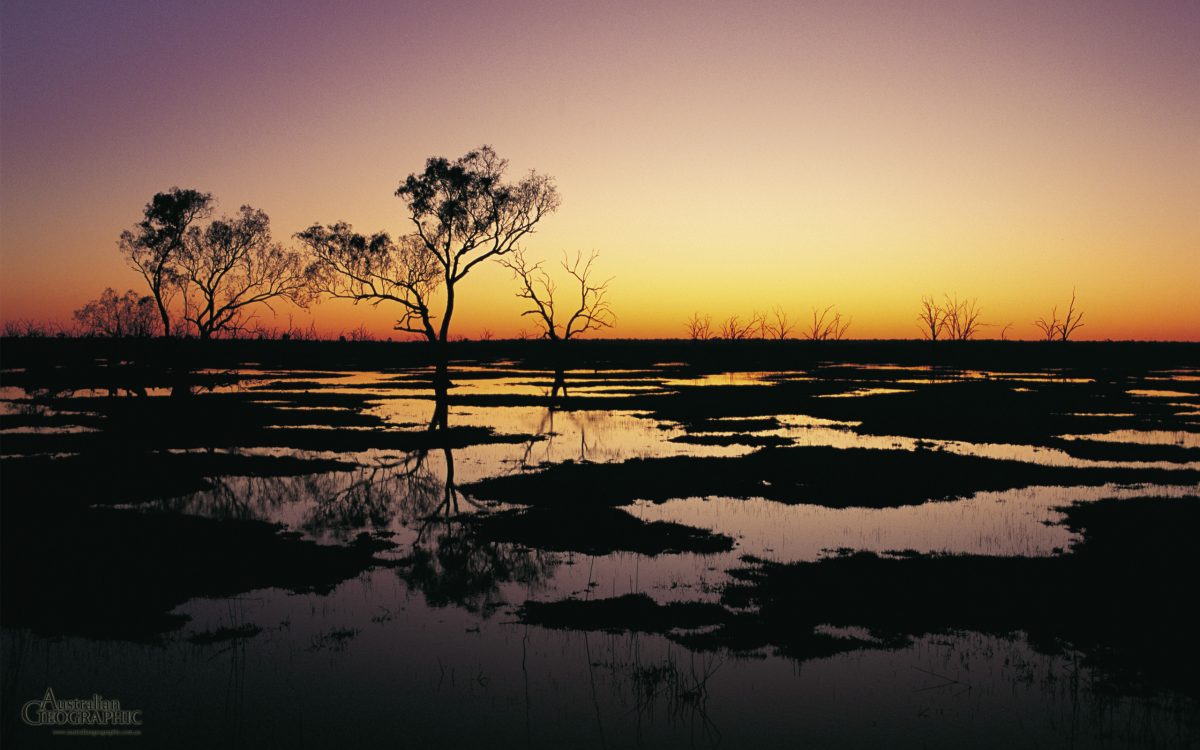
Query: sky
point(720, 158)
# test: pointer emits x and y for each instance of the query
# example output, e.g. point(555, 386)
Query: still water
point(439, 658)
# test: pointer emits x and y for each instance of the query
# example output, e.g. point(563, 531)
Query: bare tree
point(232, 265)
point(153, 246)
point(732, 328)
point(1073, 320)
point(961, 318)
point(537, 287)
point(932, 318)
point(130, 314)
point(1056, 330)
point(780, 326)
point(375, 269)
point(757, 326)
point(698, 328)
point(826, 327)
point(1049, 328)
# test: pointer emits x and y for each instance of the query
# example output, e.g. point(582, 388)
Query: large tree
point(153, 246)
point(232, 265)
point(463, 213)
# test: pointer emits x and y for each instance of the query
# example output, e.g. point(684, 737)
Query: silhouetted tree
point(537, 287)
point(698, 328)
point(230, 266)
point(961, 318)
point(757, 325)
point(130, 314)
point(826, 327)
point(153, 246)
point(463, 213)
point(375, 269)
point(1049, 328)
point(932, 318)
point(732, 328)
point(780, 327)
point(1053, 329)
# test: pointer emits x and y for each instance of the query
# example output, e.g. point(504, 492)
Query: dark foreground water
point(428, 644)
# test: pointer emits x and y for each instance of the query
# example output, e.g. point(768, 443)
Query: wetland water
point(643, 553)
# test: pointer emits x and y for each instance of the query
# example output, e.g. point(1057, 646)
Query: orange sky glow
point(720, 158)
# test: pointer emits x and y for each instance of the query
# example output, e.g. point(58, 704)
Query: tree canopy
point(153, 246)
point(231, 265)
point(462, 213)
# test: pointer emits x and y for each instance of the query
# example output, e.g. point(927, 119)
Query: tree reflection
point(592, 427)
point(448, 562)
point(411, 498)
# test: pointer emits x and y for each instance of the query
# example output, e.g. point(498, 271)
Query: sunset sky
point(720, 157)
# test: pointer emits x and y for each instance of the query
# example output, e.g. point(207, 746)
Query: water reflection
point(1013, 522)
point(419, 632)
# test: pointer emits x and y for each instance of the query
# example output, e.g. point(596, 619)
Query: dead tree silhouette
point(1049, 328)
point(592, 312)
point(698, 328)
point(825, 327)
point(1056, 330)
point(961, 318)
point(780, 326)
point(931, 319)
point(757, 325)
point(732, 328)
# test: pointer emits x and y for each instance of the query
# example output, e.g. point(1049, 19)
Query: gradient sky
point(721, 157)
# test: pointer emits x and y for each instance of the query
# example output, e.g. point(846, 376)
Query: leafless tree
point(231, 266)
point(1049, 328)
point(781, 326)
point(27, 328)
point(375, 269)
point(1056, 330)
point(152, 248)
point(961, 318)
point(757, 326)
point(356, 334)
point(826, 327)
point(698, 328)
point(1073, 320)
point(537, 287)
point(932, 318)
point(732, 328)
point(130, 314)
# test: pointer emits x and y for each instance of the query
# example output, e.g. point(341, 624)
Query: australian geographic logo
point(96, 711)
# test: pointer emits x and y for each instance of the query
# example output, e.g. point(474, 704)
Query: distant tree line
point(959, 320)
point(827, 324)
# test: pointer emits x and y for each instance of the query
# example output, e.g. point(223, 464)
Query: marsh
point(851, 543)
